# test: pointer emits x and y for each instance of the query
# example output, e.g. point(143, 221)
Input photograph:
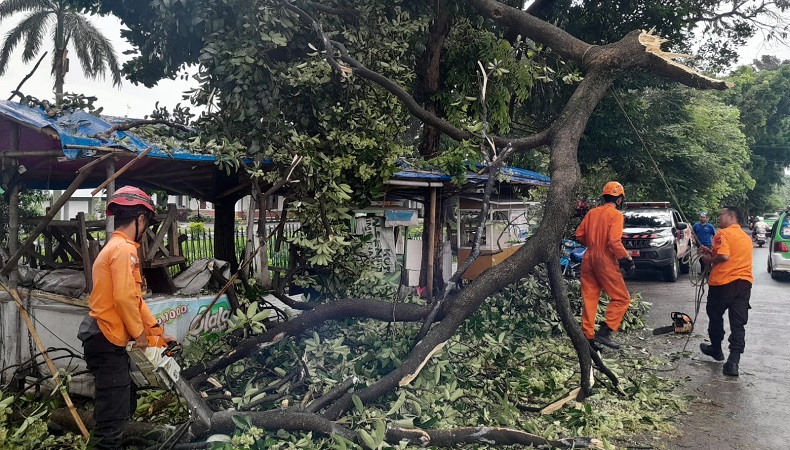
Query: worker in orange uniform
point(730, 290)
point(602, 232)
point(118, 315)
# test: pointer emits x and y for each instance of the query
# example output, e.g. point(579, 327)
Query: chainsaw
point(155, 367)
point(681, 324)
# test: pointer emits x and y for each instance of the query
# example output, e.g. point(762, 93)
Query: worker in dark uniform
point(730, 288)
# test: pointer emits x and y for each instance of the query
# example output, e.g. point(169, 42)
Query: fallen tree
point(602, 65)
point(230, 79)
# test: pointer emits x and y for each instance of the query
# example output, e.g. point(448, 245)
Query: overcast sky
point(128, 100)
point(137, 101)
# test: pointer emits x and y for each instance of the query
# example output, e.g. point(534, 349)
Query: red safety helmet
point(614, 189)
point(130, 196)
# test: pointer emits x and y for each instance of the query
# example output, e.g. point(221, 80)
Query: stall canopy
point(514, 175)
point(51, 149)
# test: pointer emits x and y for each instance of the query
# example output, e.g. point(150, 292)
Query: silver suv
point(657, 238)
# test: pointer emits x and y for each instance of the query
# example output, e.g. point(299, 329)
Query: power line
point(650, 155)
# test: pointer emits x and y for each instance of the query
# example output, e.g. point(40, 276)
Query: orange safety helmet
point(614, 189)
point(130, 196)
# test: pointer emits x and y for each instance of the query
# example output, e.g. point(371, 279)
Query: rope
point(647, 150)
point(698, 278)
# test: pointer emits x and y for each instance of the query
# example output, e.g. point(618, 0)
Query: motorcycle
point(571, 259)
point(759, 238)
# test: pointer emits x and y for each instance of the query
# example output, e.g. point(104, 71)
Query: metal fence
point(199, 243)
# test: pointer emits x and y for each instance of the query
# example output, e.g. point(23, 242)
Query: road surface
point(748, 412)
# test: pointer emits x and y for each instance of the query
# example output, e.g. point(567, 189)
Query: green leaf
point(217, 438)
point(243, 423)
point(357, 403)
point(398, 404)
point(381, 432)
point(367, 439)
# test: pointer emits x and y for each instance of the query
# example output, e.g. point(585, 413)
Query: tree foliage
point(690, 139)
point(763, 98)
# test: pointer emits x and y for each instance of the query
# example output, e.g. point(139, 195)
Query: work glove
point(627, 266)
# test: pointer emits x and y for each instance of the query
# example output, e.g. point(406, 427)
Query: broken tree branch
point(336, 392)
point(16, 91)
point(120, 172)
point(339, 309)
point(482, 436)
point(139, 123)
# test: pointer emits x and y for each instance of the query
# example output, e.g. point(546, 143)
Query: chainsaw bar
point(663, 330)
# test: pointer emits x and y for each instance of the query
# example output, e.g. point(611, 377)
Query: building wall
point(81, 201)
point(93, 207)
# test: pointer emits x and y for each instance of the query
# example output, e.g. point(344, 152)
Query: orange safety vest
point(116, 301)
point(732, 241)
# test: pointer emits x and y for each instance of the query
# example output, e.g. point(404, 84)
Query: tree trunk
point(59, 69)
point(430, 77)
point(224, 232)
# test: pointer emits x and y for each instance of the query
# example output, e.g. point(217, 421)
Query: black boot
point(712, 350)
point(731, 366)
point(604, 336)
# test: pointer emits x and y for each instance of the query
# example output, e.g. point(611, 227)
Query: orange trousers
point(602, 273)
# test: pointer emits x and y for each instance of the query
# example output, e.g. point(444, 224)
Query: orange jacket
point(116, 301)
point(602, 232)
point(732, 241)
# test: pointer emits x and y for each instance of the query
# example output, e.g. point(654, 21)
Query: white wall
point(81, 201)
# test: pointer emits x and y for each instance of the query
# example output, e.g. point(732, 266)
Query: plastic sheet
point(198, 275)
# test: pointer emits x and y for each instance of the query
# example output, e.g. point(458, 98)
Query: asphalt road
point(748, 412)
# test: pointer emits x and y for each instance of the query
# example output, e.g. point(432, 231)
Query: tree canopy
point(691, 139)
point(762, 94)
point(69, 29)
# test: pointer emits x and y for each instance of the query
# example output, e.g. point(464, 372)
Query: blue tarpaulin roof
point(79, 128)
point(513, 174)
point(178, 171)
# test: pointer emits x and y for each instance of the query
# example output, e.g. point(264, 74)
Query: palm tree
point(94, 51)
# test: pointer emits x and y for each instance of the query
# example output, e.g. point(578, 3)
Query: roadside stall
point(46, 269)
point(510, 222)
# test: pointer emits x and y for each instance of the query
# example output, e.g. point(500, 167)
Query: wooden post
point(250, 235)
point(87, 263)
point(172, 237)
point(12, 336)
point(82, 175)
point(13, 208)
point(110, 225)
point(13, 237)
point(55, 377)
point(263, 266)
point(431, 243)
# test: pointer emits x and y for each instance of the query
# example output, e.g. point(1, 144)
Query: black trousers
point(732, 298)
point(115, 400)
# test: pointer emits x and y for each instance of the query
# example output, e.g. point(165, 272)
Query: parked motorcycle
point(571, 259)
point(759, 238)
